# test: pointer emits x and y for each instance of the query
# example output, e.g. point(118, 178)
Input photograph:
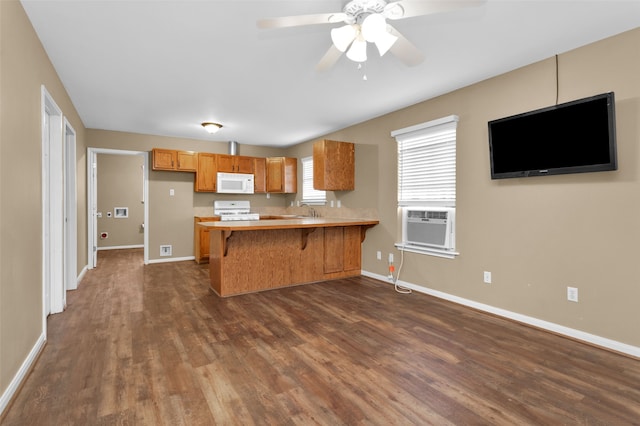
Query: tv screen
point(574, 137)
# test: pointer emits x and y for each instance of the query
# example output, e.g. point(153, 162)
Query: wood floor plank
point(152, 345)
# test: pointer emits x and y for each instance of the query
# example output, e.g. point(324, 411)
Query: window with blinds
point(427, 185)
point(309, 194)
point(427, 163)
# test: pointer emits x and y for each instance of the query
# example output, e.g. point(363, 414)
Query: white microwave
point(234, 183)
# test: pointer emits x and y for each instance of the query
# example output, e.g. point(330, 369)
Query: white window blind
point(427, 163)
point(309, 194)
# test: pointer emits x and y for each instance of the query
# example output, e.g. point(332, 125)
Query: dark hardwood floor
point(151, 345)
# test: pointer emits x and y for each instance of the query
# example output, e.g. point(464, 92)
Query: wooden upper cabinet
point(164, 159)
point(205, 180)
point(333, 165)
point(169, 159)
point(234, 163)
point(282, 175)
point(187, 161)
point(259, 175)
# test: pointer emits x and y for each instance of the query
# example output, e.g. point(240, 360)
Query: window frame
point(319, 197)
point(433, 142)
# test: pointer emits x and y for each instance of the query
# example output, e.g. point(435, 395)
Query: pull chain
point(364, 74)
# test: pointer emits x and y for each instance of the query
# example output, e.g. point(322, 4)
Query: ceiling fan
point(366, 21)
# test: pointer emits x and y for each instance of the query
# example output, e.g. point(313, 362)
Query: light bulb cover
point(358, 50)
point(373, 27)
point(211, 127)
point(384, 42)
point(343, 36)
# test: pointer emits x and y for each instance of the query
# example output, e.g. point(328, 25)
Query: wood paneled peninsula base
point(249, 256)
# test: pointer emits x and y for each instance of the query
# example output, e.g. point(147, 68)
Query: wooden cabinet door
point(260, 175)
point(234, 163)
point(225, 163)
point(352, 247)
point(164, 159)
point(333, 250)
point(244, 164)
point(187, 161)
point(205, 180)
point(201, 239)
point(282, 175)
point(290, 175)
point(204, 243)
point(333, 165)
point(275, 174)
point(342, 249)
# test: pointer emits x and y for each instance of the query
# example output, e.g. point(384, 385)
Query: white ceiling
point(162, 67)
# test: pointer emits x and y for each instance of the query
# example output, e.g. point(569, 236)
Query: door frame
point(70, 209)
point(52, 161)
point(92, 195)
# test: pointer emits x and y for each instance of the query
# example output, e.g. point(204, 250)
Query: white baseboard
point(121, 247)
point(21, 374)
point(172, 259)
point(81, 275)
point(546, 325)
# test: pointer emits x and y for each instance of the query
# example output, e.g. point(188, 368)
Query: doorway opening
point(92, 202)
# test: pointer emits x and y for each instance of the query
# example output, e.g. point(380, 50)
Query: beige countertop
point(303, 222)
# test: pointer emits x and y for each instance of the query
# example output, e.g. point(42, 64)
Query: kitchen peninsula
point(253, 255)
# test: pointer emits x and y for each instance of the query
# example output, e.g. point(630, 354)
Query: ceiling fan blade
point(404, 50)
point(409, 8)
point(294, 21)
point(329, 59)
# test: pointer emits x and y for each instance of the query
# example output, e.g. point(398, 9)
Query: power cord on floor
point(397, 287)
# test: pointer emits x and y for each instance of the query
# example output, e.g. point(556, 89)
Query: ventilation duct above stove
point(233, 148)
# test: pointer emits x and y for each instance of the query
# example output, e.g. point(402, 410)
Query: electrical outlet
point(390, 257)
point(379, 255)
point(487, 277)
point(572, 294)
point(165, 250)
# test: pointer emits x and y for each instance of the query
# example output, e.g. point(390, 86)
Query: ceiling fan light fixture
point(384, 42)
point(211, 127)
point(343, 36)
point(358, 50)
point(374, 26)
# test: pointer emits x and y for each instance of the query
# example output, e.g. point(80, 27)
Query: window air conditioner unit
point(429, 227)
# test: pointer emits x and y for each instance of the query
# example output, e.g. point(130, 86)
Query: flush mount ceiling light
point(366, 22)
point(211, 127)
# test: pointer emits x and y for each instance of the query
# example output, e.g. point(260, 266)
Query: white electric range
point(234, 210)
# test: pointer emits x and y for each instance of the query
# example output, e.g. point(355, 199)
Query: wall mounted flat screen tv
point(574, 137)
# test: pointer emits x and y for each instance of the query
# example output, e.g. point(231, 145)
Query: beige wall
point(120, 185)
point(536, 235)
point(24, 67)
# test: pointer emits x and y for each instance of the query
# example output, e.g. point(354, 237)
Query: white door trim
point(53, 292)
point(70, 209)
point(92, 189)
